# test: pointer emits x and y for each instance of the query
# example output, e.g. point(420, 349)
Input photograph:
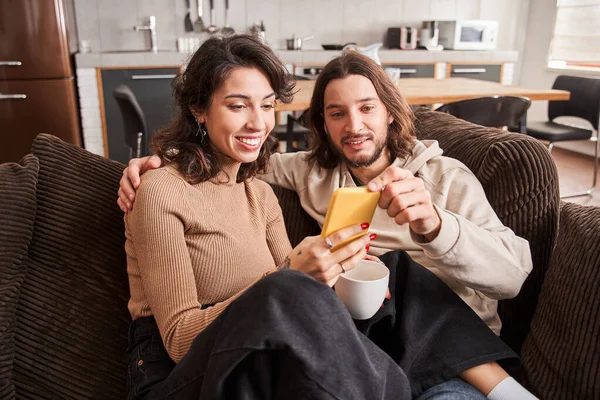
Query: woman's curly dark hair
point(178, 143)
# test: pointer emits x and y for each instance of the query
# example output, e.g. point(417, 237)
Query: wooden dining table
point(427, 91)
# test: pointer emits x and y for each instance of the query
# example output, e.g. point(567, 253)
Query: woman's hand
point(314, 256)
point(130, 180)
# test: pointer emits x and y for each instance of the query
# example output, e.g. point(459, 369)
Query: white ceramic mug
point(363, 289)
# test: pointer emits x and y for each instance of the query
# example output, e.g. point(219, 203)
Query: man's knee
point(452, 389)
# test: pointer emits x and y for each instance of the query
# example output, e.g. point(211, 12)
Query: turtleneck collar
point(228, 173)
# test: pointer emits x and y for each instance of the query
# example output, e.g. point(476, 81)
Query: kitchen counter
point(308, 57)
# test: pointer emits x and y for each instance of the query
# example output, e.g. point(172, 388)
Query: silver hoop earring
point(201, 131)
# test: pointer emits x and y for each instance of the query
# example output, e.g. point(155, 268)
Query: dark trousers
point(290, 337)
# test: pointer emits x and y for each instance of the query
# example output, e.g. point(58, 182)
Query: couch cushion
point(17, 202)
point(72, 315)
point(521, 183)
point(561, 355)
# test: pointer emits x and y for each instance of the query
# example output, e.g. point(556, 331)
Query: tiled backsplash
point(107, 25)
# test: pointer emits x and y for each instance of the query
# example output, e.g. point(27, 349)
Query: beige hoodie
point(475, 254)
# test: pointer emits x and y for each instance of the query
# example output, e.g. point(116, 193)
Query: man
point(431, 206)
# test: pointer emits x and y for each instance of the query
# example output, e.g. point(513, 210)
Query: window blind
point(576, 32)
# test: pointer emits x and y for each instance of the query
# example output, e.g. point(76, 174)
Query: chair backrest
point(495, 111)
point(134, 121)
point(583, 103)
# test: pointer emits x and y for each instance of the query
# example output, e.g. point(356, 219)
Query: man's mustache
point(346, 138)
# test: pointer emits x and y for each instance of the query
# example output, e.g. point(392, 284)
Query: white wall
point(108, 24)
point(533, 70)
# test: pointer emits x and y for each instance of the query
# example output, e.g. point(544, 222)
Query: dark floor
point(575, 175)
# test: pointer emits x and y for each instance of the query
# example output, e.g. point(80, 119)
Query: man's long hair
point(401, 136)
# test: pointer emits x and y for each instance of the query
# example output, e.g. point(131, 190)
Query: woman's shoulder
point(163, 179)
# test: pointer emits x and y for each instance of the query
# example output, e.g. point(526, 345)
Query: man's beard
point(363, 161)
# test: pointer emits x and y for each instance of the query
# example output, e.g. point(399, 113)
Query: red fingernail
point(364, 225)
point(367, 247)
point(372, 236)
point(388, 296)
point(368, 258)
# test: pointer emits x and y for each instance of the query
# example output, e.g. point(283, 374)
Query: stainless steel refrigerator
point(37, 84)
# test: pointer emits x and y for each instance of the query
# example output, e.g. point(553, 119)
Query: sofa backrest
point(72, 317)
point(520, 180)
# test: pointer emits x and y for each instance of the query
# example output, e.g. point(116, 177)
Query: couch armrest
point(520, 180)
point(561, 355)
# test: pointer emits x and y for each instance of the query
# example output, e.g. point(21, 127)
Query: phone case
point(349, 206)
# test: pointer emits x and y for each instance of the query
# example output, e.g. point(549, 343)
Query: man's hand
point(406, 200)
point(131, 180)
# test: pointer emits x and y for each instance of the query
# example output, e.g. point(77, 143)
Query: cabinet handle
point(10, 63)
point(408, 71)
point(144, 77)
point(12, 96)
point(469, 70)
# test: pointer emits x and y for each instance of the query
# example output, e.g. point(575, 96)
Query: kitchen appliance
point(408, 38)
point(37, 87)
point(469, 34)
point(429, 34)
point(401, 38)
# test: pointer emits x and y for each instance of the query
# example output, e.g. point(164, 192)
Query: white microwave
point(468, 34)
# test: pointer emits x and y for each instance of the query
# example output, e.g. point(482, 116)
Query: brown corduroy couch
point(64, 292)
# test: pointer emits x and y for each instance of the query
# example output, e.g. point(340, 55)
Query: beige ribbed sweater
point(193, 245)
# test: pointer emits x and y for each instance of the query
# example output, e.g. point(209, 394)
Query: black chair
point(495, 111)
point(134, 122)
point(583, 103)
point(294, 133)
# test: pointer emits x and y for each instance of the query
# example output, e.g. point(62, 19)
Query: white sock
point(510, 389)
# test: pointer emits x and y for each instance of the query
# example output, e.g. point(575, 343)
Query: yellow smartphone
point(349, 206)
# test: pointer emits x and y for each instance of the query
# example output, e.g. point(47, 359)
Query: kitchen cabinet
point(484, 72)
point(154, 92)
point(413, 70)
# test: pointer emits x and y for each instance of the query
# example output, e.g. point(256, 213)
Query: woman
point(210, 319)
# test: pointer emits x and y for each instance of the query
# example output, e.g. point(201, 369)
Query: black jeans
point(290, 337)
